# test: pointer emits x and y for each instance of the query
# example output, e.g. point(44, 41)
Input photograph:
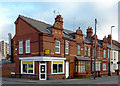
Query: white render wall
point(114, 65)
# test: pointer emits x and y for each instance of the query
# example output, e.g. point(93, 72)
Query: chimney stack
point(58, 22)
point(89, 31)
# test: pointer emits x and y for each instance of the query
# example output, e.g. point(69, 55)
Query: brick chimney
point(109, 38)
point(89, 31)
point(105, 39)
point(58, 22)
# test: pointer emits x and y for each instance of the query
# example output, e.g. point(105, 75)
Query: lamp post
point(95, 51)
point(111, 51)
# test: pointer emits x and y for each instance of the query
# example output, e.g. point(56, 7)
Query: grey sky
point(81, 13)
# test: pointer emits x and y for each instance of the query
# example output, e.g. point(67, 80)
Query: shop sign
point(57, 62)
point(47, 52)
point(27, 62)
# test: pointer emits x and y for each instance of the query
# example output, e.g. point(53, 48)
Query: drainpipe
point(39, 43)
point(64, 47)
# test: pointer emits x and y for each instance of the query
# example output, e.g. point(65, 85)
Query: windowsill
point(20, 54)
point(57, 53)
point(28, 73)
point(27, 53)
point(57, 73)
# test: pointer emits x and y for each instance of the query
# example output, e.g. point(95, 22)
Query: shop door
point(67, 69)
point(42, 71)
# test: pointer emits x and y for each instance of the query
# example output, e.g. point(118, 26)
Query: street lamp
point(111, 50)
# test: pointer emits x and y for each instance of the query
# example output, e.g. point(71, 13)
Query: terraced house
point(44, 51)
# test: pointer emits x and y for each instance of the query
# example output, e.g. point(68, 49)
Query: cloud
point(75, 14)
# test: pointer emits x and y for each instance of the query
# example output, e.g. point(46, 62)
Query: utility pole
point(95, 51)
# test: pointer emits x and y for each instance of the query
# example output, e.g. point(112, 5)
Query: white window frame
point(21, 47)
point(79, 50)
point(57, 46)
point(104, 66)
point(67, 48)
point(27, 46)
point(27, 68)
point(114, 55)
point(89, 51)
point(57, 68)
point(104, 53)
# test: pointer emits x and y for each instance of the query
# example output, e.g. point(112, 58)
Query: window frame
point(104, 69)
point(27, 68)
point(21, 47)
point(78, 50)
point(104, 53)
point(57, 46)
point(89, 51)
point(27, 46)
point(57, 68)
point(67, 48)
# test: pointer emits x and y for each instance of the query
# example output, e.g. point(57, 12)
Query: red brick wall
point(7, 69)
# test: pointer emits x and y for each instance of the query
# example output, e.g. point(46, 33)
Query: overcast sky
point(75, 14)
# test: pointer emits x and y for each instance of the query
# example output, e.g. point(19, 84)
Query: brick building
point(46, 51)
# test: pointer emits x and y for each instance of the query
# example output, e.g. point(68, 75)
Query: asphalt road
point(100, 80)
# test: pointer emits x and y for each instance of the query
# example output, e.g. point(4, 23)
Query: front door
point(67, 69)
point(42, 71)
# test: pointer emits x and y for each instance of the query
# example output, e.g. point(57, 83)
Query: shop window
point(66, 48)
point(57, 67)
point(27, 67)
point(104, 66)
point(57, 46)
point(114, 66)
point(78, 49)
point(27, 43)
point(20, 47)
point(98, 66)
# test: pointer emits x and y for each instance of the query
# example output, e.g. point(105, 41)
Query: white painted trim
point(57, 46)
point(27, 68)
point(57, 69)
point(42, 58)
point(43, 73)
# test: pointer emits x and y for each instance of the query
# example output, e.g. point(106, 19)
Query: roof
point(41, 26)
point(83, 58)
point(113, 47)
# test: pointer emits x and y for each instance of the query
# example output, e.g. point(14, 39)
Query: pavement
point(100, 80)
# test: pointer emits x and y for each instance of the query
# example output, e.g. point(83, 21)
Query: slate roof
point(83, 58)
point(41, 26)
point(113, 47)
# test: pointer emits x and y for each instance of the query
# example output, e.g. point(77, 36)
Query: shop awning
point(42, 58)
point(83, 58)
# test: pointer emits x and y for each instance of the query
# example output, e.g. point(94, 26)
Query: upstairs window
point(85, 51)
point(104, 54)
point(114, 56)
point(20, 47)
point(66, 48)
point(57, 46)
point(78, 49)
point(88, 51)
point(27, 43)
